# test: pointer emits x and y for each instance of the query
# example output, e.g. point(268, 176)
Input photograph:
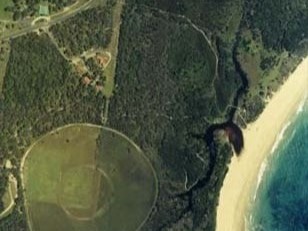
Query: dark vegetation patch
point(89, 29)
point(40, 93)
point(166, 95)
point(3, 188)
point(220, 21)
point(283, 24)
point(212, 15)
point(230, 80)
point(162, 99)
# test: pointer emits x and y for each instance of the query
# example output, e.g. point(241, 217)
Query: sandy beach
point(241, 180)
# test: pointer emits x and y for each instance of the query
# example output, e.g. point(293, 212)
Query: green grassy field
point(252, 54)
point(113, 49)
point(78, 187)
point(51, 156)
point(84, 177)
point(3, 14)
point(132, 178)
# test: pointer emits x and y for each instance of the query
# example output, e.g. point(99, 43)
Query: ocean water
point(281, 199)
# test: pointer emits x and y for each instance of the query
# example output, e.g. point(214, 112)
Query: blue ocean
point(281, 201)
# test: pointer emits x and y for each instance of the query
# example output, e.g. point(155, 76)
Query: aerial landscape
point(150, 115)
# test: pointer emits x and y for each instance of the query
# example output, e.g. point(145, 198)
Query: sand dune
point(241, 180)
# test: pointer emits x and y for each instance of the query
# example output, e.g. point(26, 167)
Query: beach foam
point(302, 104)
point(281, 198)
point(280, 137)
point(260, 177)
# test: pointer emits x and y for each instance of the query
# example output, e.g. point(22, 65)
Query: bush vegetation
point(273, 46)
point(88, 29)
point(168, 92)
point(212, 15)
point(40, 93)
point(166, 95)
point(283, 24)
point(25, 8)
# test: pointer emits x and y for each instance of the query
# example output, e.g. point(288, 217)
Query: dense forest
point(40, 93)
point(166, 97)
point(220, 20)
point(286, 26)
point(89, 29)
point(169, 121)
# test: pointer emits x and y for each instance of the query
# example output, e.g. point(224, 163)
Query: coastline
point(260, 137)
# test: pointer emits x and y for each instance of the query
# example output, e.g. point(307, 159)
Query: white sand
point(241, 180)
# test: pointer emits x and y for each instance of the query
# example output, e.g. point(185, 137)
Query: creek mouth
point(231, 129)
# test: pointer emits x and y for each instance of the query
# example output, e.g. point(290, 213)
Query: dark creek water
point(233, 131)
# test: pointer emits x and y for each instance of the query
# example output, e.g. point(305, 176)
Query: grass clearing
point(51, 156)
point(78, 188)
point(263, 67)
point(113, 50)
point(4, 15)
point(132, 177)
point(83, 177)
point(233, 24)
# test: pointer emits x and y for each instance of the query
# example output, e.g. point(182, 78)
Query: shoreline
point(261, 136)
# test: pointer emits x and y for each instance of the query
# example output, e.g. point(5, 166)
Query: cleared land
point(4, 15)
point(83, 177)
point(112, 49)
point(9, 197)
